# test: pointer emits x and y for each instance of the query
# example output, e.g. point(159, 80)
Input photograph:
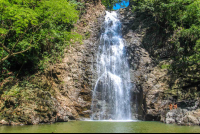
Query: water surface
point(101, 127)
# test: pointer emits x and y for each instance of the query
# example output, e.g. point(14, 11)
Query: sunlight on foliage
point(32, 30)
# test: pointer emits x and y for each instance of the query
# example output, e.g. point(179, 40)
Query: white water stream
point(111, 93)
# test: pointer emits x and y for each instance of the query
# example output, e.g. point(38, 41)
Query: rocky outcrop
point(182, 117)
point(31, 105)
point(187, 116)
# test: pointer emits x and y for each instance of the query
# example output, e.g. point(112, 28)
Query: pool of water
point(101, 127)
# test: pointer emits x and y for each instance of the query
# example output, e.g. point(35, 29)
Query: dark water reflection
point(101, 127)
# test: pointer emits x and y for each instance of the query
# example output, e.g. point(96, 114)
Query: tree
point(30, 29)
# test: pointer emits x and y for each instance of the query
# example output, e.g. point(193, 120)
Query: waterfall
point(111, 93)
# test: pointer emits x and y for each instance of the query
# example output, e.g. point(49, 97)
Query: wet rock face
point(151, 83)
point(139, 62)
point(148, 80)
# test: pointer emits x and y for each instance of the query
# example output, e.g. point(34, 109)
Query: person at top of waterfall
point(110, 119)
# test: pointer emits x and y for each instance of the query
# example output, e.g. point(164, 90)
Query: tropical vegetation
point(34, 33)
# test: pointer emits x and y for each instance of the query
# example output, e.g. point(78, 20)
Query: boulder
point(170, 121)
point(193, 120)
point(3, 122)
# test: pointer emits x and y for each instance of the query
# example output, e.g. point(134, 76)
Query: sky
point(117, 6)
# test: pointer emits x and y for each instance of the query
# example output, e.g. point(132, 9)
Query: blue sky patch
point(118, 6)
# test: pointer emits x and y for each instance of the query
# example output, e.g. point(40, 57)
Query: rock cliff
point(155, 85)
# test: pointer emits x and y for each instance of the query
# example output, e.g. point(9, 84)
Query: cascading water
point(111, 94)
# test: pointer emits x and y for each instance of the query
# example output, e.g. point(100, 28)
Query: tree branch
point(18, 40)
point(5, 48)
point(10, 53)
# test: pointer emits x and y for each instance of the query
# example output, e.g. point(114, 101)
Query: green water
point(101, 127)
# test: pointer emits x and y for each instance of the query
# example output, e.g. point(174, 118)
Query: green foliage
point(164, 66)
point(79, 5)
point(172, 13)
point(181, 17)
point(14, 91)
point(34, 33)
